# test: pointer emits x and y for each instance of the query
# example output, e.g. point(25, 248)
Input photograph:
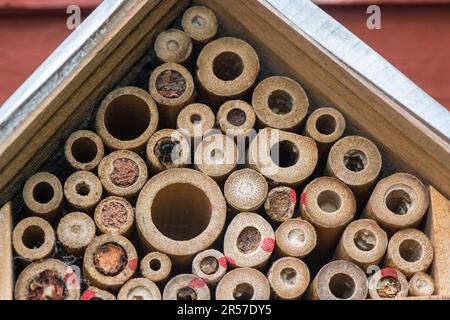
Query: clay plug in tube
point(296, 238)
point(186, 287)
point(289, 278)
point(43, 196)
point(421, 285)
point(156, 267)
point(210, 265)
point(195, 121)
point(84, 150)
point(280, 204)
point(280, 103)
point(139, 289)
point(173, 45)
point(126, 119)
point(388, 283)
point(243, 284)
point(93, 293)
point(399, 201)
point(75, 231)
point(200, 23)
point(83, 191)
point(114, 215)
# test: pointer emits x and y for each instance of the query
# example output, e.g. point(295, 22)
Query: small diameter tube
point(84, 150)
point(139, 289)
point(173, 45)
point(74, 232)
point(280, 204)
point(243, 284)
point(83, 191)
point(289, 278)
point(296, 238)
point(210, 265)
point(156, 267)
point(421, 285)
point(114, 215)
point(195, 121)
point(388, 283)
point(200, 23)
point(186, 287)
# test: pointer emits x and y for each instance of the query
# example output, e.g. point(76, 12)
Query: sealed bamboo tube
point(123, 173)
point(156, 267)
point(168, 149)
point(227, 69)
point(421, 285)
point(180, 212)
point(388, 283)
point(6, 261)
point(84, 150)
point(93, 293)
point(296, 238)
point(139, 289)
point(329, 205)
point(114, 215)
point(173, 45)
point(210, 265)
point(282, 157)
point(33, 239)
point(195, 121)
point(216, 156)
point(109, 261)
point(75, 231)
point(325, 126)
point(49, 279)
point(200, 23)
point(355, 161)
point(126, 119)
point(243, 284)
point(249, 240)
point(43, 196)
point(339, 280)
point(245, 190)
point(397, 202)
point(363, 243)
point(289, 278)
point(236, 118)
point(172, 87)
point(409, 251)
point(83, 191)
point(280, 204)
point(186, 287)
point(280, 103)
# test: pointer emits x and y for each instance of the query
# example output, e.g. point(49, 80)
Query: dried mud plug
point(139, 289)
point(388, 283)
point(243, 284)
point(295, 238)
point(84, 150)
point(186, 287)
point(236, 118)
point(280, 204)
point(200, 23)
point(210, 265)
point(114, 215)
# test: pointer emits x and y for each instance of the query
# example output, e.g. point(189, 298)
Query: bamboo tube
point(243, 284)
point(296, 238)
point(156, 267)
point(200, 23)
point(123, 173)
point(397, 202)
point(173, 45)
point(109, 261)
point(280, 204)
point(210, 265)
point(75, 231)
point(421, 285)
point(47, 280)
point(139, 289)
point(355, 161)
point(282, 157)
point(6, 261)
point(168, 149)
point(289, 278)
point(280, 103)
point(236, 119)
point(126, 119)
point(186, 287)
point(363, 243)
point(249, 240)
point(43, 196)
point(227, 69)
point(409, 251)
point(245, 190)
point(83, 191)
point(84, 150)
point(33, 239)
point(172, 87)
point(114, 215)
point(329, 205)
point(195, 121)
point(180, 212)
point(93, 293)
point(388, 283)
point(339, 280)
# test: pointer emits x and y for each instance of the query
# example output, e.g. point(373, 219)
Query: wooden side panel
point(6, 257)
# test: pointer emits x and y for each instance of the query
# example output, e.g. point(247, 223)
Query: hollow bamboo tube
point(139, 289)
point(339, 280)
point(84, 150)
point(236, 118)
point(289, 278)
point(186, 287)
point(409, 251)
point(93, 293)
point(6, 261)
point(83, 191)
point(397, 202)
point(200, 23)
point(249, 240)
point(280, 103)
point(173, 45)
point(172, 87)
point(49, 279)
point(126, 119)
point(388, 283)
point(245, 190)
point(114, 215)
point(421, 285)
point(243, 284)
point(195, 121)
point(156, 267)
point(284, 158)
point(180, 212)
point(363, 243)
point(280, 204)
point(296, 238)
point(75, 231)
point(210, 265)
point(43, 196)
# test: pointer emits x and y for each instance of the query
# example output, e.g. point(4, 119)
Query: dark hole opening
point(228, 66)
point(236, 117)
point(43, 192)
point(355, 160)
point(280, 102)
point(84, 150)
point(284, 154)
point(33, 237)
point(326, 124)
point(243, 291)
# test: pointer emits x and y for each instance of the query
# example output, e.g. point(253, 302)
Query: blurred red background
point(414, 37)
